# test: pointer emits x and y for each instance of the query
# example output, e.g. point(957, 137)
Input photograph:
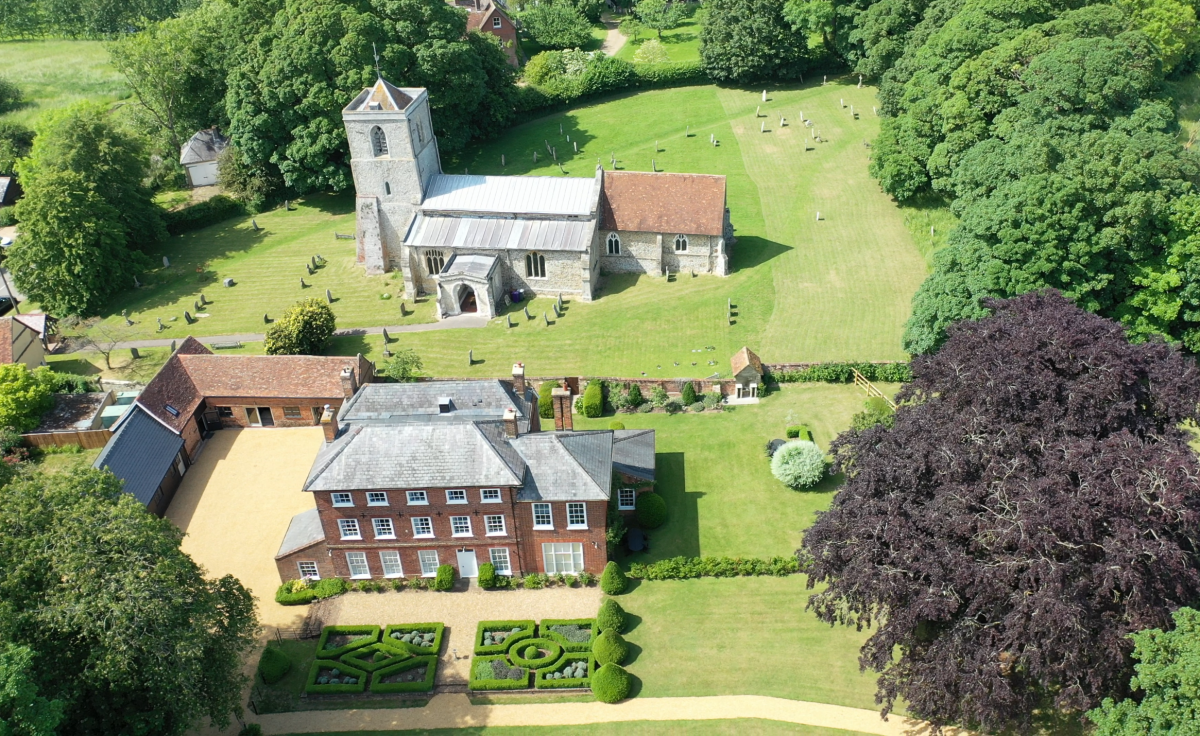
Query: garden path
point(449, 323)
point(615, 39)
point(461, 612)
point(456, 711)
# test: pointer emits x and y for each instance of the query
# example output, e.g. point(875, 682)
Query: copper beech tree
point(1035, 503)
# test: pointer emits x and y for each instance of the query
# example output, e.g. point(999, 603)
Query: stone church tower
point(393, 156)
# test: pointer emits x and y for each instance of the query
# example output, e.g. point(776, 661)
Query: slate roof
point(431, 230)
point(383, 96)
point(140, 452)
point(633, 452)
point(410, 403)
point(204, 146)
point(745, 357)
point(304, 531)
point(385, 456)
point(693, 204)
point(512, 195)
point(566, 466)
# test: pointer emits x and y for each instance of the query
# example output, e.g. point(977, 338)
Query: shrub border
point(323, 653)
point(541, 683)
point(422, 686)
point(436, 628)
point(352, 657)
point(474, 684)
point(527, 631)
point(568, 646)
point(311, 686)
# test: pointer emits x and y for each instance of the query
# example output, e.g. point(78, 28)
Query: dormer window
point(172, 410)
point(444, 405)
point(379, 145)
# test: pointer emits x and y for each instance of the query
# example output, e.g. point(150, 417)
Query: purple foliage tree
point(1035, 503)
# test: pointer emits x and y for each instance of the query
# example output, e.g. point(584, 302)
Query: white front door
point(467, 566)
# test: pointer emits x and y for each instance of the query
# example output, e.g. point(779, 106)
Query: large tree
point(556, 25)
point(128, 634)
point(749, 40)
point(1034, 504)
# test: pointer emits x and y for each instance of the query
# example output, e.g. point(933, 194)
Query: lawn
point(57, 73)
point(682, 43)
point(731, 727)
point(716, 479)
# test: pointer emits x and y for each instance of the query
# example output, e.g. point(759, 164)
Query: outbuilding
point(747, 373)
point(199, 157)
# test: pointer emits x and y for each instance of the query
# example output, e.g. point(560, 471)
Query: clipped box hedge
point(476, 683)
point(420, 686)
point(359, 657)
point(526, 632)
point(542, 681)
point(437, 630)
point(368, 635)
point(545, 631)
point(516, 654)
point(311, 686)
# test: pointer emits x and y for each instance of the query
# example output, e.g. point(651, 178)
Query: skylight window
point(172, 410)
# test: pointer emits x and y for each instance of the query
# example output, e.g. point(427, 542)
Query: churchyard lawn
point(731, 727)
point(57, 73)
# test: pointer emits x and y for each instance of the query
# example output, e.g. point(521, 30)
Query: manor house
point(475, 241)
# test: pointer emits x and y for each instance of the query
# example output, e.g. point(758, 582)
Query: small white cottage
point(199, 156)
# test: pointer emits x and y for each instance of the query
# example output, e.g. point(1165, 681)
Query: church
point(477, 243)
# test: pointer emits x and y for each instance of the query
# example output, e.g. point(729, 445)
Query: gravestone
point(764, 95)
point(254, 224)
point(471, 357)
point(309, 269)
point(402, 310)
point(535, 157)
point(526, 310)
point(166, 262)
point(136, 284)
point(187, 317)
point(266, 319)
point(314, 262)
point(302, 284)
point(161, 326)
point(818, 215)
point(559, 300)
point(508, 319)
point(386, 340)
point(196, 307)
point(762, 127)
point(328, 296)
point(203, 299)
point(758, 111)
point(228, 282)
point(502, 159)
point(129, 322)
point(556, 312)
point(576, 144)
point(823, 80)
point(172, 346)
point(546, 317)
point(133, 353)
point(860, 81)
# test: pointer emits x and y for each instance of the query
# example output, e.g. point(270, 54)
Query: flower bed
point(414, 675)
point(375, 656)
point(496, 673)
point(416, 638)
point(507, 652)
point(494, 637)
point(337, 640)
point(403, 660)
point(574, 635)
point(573, 670)
point(326, 677)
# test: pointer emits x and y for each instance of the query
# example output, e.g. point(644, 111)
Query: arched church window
point(614, 244)
point(680, 243)
point(378, 142)
point(434, 262)
point(535, 265)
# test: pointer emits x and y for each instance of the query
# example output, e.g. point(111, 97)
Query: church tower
point(394, 157)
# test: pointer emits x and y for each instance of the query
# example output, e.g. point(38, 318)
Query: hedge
point(545, 631)
point(516, 652)
point(358, 657)
point(273, 665)
point(202, 214)
point(799, 432)
point(286, 595)
point(542, 682)
point(436, 628)
point(311, 685)
point(612, 580)
point(420, 686)
point(444, 580)
point(610, 648)
point(844, 373)
point(371, 636)
point(526, 632)
point(611, 683)
point(487, 576)
point(683, 568)
point(651, 510)
point(593, 399)
point(611, 616)
point(475, 683)
point(546, 400)
point(613, 75)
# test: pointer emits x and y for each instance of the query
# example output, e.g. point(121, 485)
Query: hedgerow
point(593, 399)
point(844, 373)
point(684, 568)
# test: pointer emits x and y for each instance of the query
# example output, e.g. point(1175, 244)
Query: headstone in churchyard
point(228, 282)
point(203, 299)
point(526, 310)
point(764, 95)
point(758, 111)
point(172, 346)
point(302, 284)
point(502, 159)
point(386, 353)
point(762, 127)
point(823, 80)
point(266, 319)
point(402, 310)
point(133, 353)
point(471, 357)
point(309, 269)
point(508, 319)
point(842, 102)
point(535, 157)
point(166, 262)
point(852, 110)
point(314, 261)
point(576, 144)
point(687, 131)
point(136, 284)
point(385, 336)
point(187, 317)
point(547, 318)
point(129, 322)
point(161, 326)
point(560, 129)
point(329, 296)
point(287, 207)
point(653, 165)
point(556, 313)
point(196, 306)
point(559, 300)
point(818, 215)
point(860, 80)
point(254, 223)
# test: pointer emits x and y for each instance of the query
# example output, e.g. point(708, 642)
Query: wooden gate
point(861, 381)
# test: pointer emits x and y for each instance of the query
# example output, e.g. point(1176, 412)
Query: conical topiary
point(611, 616)
point(611, 684)
point(610, 648)
point(613, 580)
point(688, 394)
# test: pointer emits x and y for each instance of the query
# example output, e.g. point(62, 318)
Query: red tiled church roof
point(693, 204)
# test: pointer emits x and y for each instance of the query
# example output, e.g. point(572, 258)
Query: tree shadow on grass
point(339, 203)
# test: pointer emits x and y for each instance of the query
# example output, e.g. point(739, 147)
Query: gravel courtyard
point(460, 611)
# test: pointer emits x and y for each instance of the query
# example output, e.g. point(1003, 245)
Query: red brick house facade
point(487, 17)
point(413, 476)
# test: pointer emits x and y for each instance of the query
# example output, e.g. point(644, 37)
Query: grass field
point(57, 73)
point(732, 727)
point(682, 43)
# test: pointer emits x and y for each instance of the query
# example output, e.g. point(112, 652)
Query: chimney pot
point(329, 423)
point(349, 382)
point(510, 423)
point(518, 374)
point(561, 398)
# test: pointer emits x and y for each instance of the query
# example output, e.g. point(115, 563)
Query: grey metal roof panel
point(469, 265)
point(140, 453)
point(633, 452)
point(393, 403)
point(512, 195)
point(303, 531)
point(561, 466)
point(499, 233)
point(397, 456)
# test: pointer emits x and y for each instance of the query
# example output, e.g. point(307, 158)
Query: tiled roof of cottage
point(140, 453)
point(204, 146)
point(745, 357)
point(476, 17)
point(693, 204)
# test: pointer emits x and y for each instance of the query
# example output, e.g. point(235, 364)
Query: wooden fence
point(862, 382)
point(89, 439)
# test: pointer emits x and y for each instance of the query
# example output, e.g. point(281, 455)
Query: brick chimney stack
point(519, 379)
point(561, 399)
point(329, 423)
point(349, 383)
point(510, 423)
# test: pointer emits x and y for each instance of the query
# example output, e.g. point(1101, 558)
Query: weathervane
point(376, 52)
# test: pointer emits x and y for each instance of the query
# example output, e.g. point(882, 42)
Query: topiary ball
point(651, 510)
point(616, 425)
point(610, 648)
point(799, 464)
point(611, 616)
point(613, 580)
point(611, 683)
point(531, 653)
